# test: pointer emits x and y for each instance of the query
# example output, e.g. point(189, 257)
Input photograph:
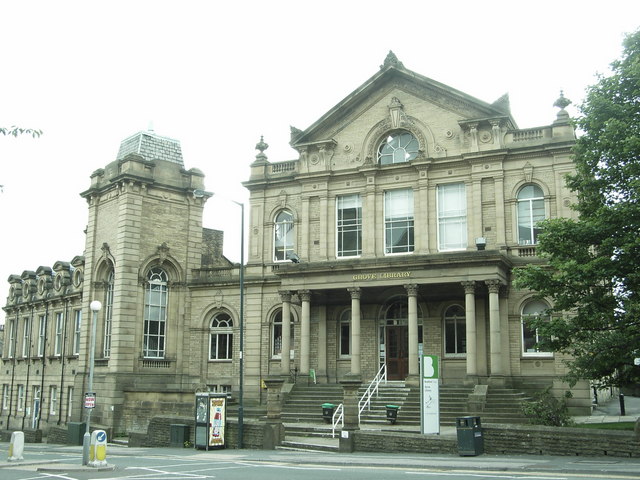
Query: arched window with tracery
point(221, 337)
point(398, 147)
point(530, 213)
point(283, 236)
point(531, 338)
point(276, 335)
point(155, 313)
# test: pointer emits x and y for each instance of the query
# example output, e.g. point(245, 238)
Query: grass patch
point(608, 426)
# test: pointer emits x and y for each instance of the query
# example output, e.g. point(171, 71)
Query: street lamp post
point(241, 326)
point(95, 307)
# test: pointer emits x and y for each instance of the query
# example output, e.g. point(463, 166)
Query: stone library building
point(392, 234)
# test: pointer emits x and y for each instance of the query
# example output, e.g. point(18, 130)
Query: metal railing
point(338, 418)
point(365, 400)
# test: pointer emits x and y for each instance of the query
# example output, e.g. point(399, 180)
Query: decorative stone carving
point(469, 287)
point(391, 61)
point(383, 127)
point(528, 172)
point(217, 299)
point(163, 252)
point(326, 151)
point(396, 112)
point(282, 198)
point(305, 295)
point(493, 285)
point(412, 290)
point(355, 292)
point(485, 136)
point(285, 295)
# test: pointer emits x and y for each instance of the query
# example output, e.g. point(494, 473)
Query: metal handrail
point(338, 417)
point(365, 400)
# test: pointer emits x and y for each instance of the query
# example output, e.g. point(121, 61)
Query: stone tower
point(145, 217)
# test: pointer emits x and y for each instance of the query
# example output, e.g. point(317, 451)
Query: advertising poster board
point(217, 419)
point(430, 395)
point(211, 418)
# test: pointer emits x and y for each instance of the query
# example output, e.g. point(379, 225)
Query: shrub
point(545, 409)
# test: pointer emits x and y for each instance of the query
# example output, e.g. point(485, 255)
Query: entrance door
point(397, 346)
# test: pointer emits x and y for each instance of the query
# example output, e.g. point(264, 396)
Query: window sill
point(537, 356)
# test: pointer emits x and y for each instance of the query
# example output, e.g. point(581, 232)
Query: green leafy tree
point(15, 131)
point(592, 271)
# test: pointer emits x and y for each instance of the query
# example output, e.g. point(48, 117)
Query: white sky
point(217, 75)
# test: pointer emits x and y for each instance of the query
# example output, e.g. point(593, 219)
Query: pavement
point(609, 412)
point(57, 458)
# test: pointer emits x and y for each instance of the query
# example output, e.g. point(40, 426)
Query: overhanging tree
point(15, 131)
point(593, 269)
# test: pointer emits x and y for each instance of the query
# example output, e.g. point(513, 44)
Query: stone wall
point(30, 436)
point(510, 440)
point(498, 440)
point(540, 440)
point(158, 433)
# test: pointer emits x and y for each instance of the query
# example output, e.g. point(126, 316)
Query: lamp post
point(241, 326)
point(95, 307)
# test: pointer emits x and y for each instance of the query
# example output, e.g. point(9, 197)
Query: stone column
point(355, 330)
point(350, 384)
point(412, 294)
point(470, 327)
point(285, 359)
point(495, 341)
point(274, 431)
point(305, 329)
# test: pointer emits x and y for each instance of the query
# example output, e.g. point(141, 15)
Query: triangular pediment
point(394, 81)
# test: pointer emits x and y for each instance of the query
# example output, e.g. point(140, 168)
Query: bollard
point(98, 449)
point(16, 447)
point(622, 409)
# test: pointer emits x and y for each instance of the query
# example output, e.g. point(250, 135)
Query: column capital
point(305, 295)
point(412, 290)
point(285, 295)
point(469, 286)
point(493, 285)
point(355, 292)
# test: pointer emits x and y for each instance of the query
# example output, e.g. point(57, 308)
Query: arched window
point(221, 337)
point(108, 316)
point(283, 236)
point(345, 333)
point(530, 212)
point(276, 335)
point(398, 147)
point(455, 333)
point(155, 314)
point(530, 336)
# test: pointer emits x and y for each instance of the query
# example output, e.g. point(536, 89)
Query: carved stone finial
point(391, 60)
point(563, 115)
point(295, 132)
point(562, 101)
point(262, 146)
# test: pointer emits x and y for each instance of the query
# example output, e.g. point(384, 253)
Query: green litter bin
point(392, 413)
point(327, 411)
point(470, 439)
